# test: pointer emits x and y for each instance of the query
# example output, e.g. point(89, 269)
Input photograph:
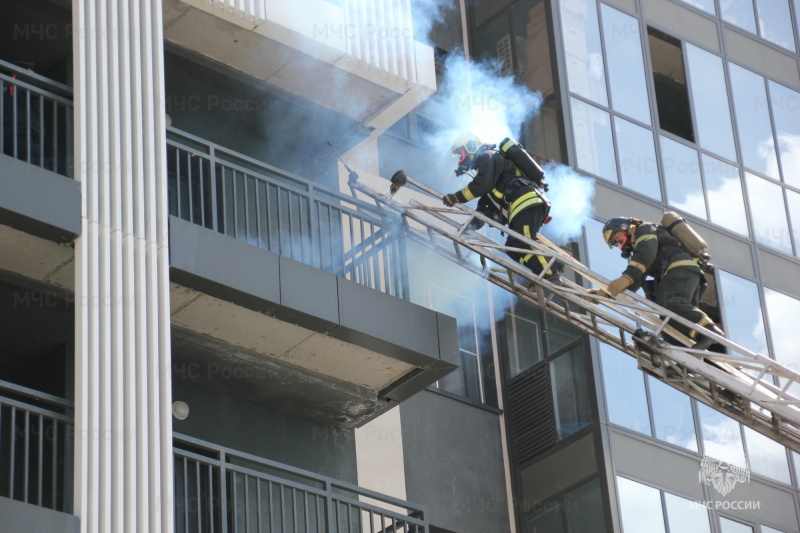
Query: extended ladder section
point(746, 386)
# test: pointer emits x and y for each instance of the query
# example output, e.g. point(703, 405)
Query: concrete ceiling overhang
point(299, 337)
point(300, 48)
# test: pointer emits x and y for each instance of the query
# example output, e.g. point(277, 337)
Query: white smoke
point(571, 195)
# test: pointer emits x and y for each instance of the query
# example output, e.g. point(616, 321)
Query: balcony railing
point(36, 118)
point(272, 209)
point(36, 438)
point(219, 490)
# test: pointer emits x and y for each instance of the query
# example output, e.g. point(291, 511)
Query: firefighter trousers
point(528, 223)
point(679, 291)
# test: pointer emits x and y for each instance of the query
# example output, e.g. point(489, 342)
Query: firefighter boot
point(705, 342)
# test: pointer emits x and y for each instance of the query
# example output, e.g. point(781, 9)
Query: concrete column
point(123, 428)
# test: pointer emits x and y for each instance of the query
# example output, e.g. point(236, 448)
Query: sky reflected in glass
point(672, 415)
point(711, 111)
point(739, 13)
point(706, 5)
point(722, 438)
point(640, 507)
point(584, 54)
point(593, 141)
point(793, 200)
point(638, 166)
point(729, 526)
point(682, 177)
point(783, 312)
point(625, 64)
point(626, 399)
point(724, 191)
point(685, 516)
point(767, 457)
point(743, 312)
point(767, 210)
point(786, 112)
point(753, 122)
point(775, 22)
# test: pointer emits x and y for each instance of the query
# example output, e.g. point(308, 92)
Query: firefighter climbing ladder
point(746, 386)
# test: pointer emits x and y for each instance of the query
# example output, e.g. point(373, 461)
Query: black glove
point(450, 199)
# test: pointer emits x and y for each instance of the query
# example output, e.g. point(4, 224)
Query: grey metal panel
point(609, 203)
point(398, 322)
point(19, 517)
point(559, 471)
point(682, 22)
point(457, 471)
point(224, 260)
point(309, 290)
point(39, 201)
point(762, 58)
point(779, 273)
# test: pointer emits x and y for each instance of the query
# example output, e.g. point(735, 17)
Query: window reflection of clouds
point(725, 199)
point(640, 507)
point(625, 64)
point(685, 516)
point(602, 259)
point(775, 22)
point(782, 313)
point(786, 110)
point(793, 199)
point(722, 438)
point(593, 142)
point(767, 457)
point(729, 526)
point(584, 56)
point(745, 318)
point(753, 122)
point(739, 13)
point(770, 226)
point(672, 415)
point(682, 177)
point(626, 399)
point(712, 114)
point(705, 5)
point(638, 167)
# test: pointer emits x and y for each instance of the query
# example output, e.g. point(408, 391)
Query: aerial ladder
point(749, 387)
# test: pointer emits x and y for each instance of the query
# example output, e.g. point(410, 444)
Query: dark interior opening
point(669, 77)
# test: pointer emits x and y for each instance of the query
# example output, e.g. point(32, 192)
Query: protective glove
point(450, 199)
point(618, 285)
point(595, 292)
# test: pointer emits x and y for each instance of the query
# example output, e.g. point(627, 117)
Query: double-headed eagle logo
point(721, 475)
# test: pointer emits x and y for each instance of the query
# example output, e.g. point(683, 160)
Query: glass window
point(739, 13)
point(775, 22)
point(585, 509)
point(602, 259)
point(767, 457)
point(770, 225)
point(786, 113)
point(682, 177)
point(669, 82)
point(722, 438)
point(640, 507)
point(685, 516)
point(793, 199)
point(584, 54)
point(524, 344)
point(705, 5)
point(782, 313)
point(709, 95)
point(796, 461)
point(672, 415)
point(626, 399)
point(570, 392)
point(729, 526)
point(765, 529)
point(625, 64)
point(745, 319)
point(637, 158)
point(549, 520)
point(753, 122)
point(724, 192)
point(559, 332)
point(593, 142)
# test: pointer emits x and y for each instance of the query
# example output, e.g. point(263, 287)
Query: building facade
point(207, 331)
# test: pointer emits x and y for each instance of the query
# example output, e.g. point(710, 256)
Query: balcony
point(362, 63)
point(217, 489)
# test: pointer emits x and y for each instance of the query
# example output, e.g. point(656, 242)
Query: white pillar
point(123, 429)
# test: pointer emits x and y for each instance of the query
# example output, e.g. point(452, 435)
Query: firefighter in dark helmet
point(504, 196)
point(677, 278)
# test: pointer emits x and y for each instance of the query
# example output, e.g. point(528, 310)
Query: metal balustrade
point(272, 209)
point(36, 438)
point(221, 490)
point(36, 117)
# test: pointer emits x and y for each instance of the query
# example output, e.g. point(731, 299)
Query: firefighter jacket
point(656, 252)
point(498, 183)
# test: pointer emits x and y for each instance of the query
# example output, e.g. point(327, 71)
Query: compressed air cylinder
point(690, 239)
point(514, 152)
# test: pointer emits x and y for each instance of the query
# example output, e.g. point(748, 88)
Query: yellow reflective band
point(496, 193)
point(525, 259)
point(526, 230)
point(467, 194)
point(637, 265)
point(543, 260)
point(705, 321)
point(524, 201)
point(683, 263)
point(507, 145)
point(644, 238)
